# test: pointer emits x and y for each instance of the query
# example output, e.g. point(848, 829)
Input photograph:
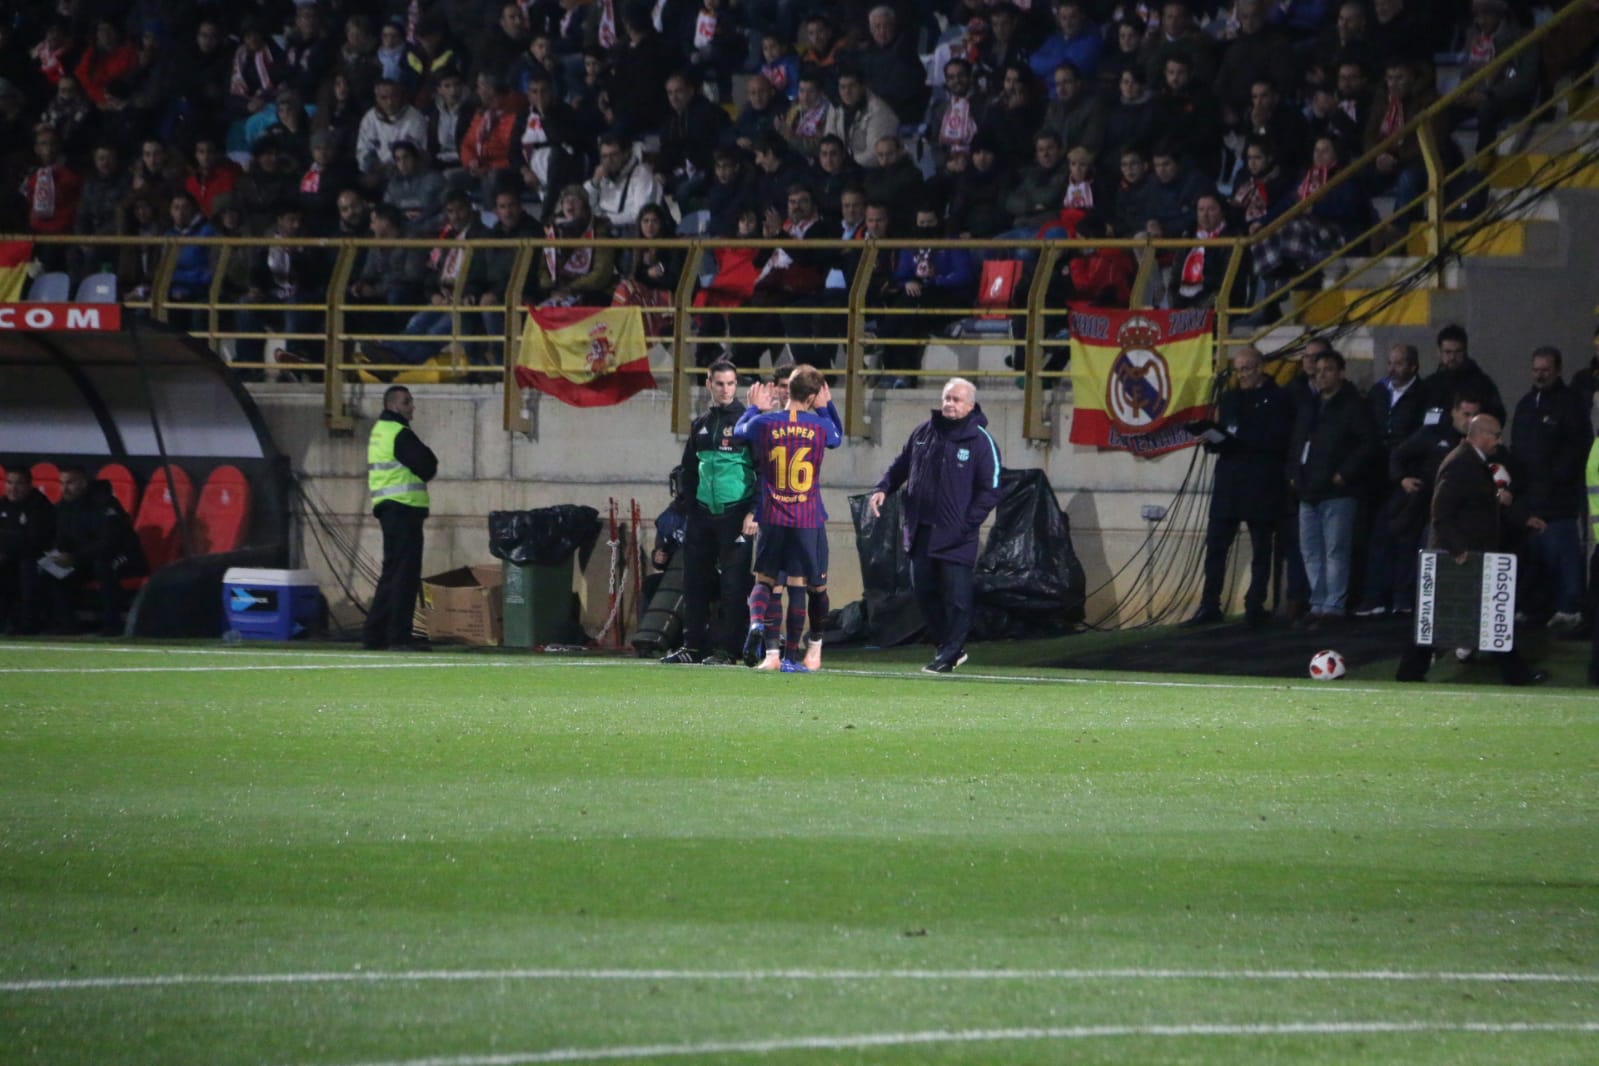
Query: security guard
point(399, 466)
point(1593, 564)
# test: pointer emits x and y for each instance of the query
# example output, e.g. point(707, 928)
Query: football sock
point(794, 629)
point(774, 617)
point(819, 606)
point(760, 601)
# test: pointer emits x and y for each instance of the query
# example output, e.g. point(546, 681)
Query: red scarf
point(607, 24)
point(1394, 117)
point(1315, 178)
point(1252, 198)
point(311, 180)
point(810, 123)
point(1482, 50)
point(578, 261)
point(43, 203)
point(704, 29)
point(958, 128)
point(1193, 273)
point(447, 262)
point(1079, 194)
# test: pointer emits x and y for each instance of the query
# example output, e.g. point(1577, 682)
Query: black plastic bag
point(546, 536)
point(1029, 580)
point(892, 616)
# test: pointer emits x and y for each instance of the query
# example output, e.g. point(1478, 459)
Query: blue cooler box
point(269, 604)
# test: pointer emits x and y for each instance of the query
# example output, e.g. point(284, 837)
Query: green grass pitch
point(323, 858)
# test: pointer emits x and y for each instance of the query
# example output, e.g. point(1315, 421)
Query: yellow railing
point(1434, 202)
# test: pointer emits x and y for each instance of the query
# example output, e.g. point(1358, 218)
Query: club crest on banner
point(602, 350)
point(1138, 392)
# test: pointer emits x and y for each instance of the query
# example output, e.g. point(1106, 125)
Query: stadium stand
point(307, 109)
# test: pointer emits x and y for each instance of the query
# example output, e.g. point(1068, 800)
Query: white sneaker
point(1564, 620)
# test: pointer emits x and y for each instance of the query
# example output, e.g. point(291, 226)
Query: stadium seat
point(123, 485)
point(47, 479)
point(52, 288)
point(98, 289)
point(994, 290)
point(222, 513)
point(157, 521)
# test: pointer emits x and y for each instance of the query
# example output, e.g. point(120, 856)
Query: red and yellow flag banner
point(1138, 377)
point(14, 259)
point(584, 356)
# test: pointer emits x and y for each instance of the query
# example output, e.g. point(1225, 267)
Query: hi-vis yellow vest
point(386, 476)
point(1593, 489)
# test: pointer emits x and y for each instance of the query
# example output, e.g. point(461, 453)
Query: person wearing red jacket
point(213, 174)
point(52, 190)
point(109, 58)
point(486, 146)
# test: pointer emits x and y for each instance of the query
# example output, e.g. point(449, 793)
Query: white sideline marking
point(364, 661)
point(978, 1036)
point(553, 974)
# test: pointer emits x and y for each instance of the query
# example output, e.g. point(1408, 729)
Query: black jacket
point(1397, 420)
point(950, 469)
point(27, 529)
point(94, 526)
point(711, 442)
point(1551, 435)
point(1417, 456)
point(1249, 484)
point(1443, 385)
point(1332, 436)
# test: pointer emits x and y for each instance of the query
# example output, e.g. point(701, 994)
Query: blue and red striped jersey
point(788, 447)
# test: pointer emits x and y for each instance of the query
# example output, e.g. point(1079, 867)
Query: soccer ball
point(1326, 665)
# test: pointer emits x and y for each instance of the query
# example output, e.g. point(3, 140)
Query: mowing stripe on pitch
point(862, 1041)
point(841, 975)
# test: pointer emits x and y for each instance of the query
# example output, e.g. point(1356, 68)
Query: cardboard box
point(465, 605)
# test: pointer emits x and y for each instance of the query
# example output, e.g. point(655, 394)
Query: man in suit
point(1466, 517)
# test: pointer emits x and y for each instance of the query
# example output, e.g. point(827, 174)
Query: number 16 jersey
point(788, 447)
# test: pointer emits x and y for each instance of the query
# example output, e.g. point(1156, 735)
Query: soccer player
point(788, 446)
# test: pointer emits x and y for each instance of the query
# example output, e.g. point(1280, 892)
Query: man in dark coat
point(950, 469)
point(94, 541)
point(1398, 406)
point(1466, 517)
point(1333, 447)
point(1551, 434)
point(1458, 373)
point(27, 529)
point(1250, 441)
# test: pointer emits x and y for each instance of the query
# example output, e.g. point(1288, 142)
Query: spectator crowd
point(465, 119)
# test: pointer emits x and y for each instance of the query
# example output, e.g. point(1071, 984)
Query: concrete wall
point(587, 456)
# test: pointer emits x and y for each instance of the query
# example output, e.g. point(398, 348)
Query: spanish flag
point(584, 356)
point(1138, 377)
point(14, 259)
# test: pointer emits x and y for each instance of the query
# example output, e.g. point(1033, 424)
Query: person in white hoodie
point(622, 184)
point(389, 121)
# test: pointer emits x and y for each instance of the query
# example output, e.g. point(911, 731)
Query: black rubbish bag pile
point(546, 536)
point(1029, 582)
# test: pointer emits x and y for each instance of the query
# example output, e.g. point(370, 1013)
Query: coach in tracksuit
point(950, 470)
point(718, 495)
